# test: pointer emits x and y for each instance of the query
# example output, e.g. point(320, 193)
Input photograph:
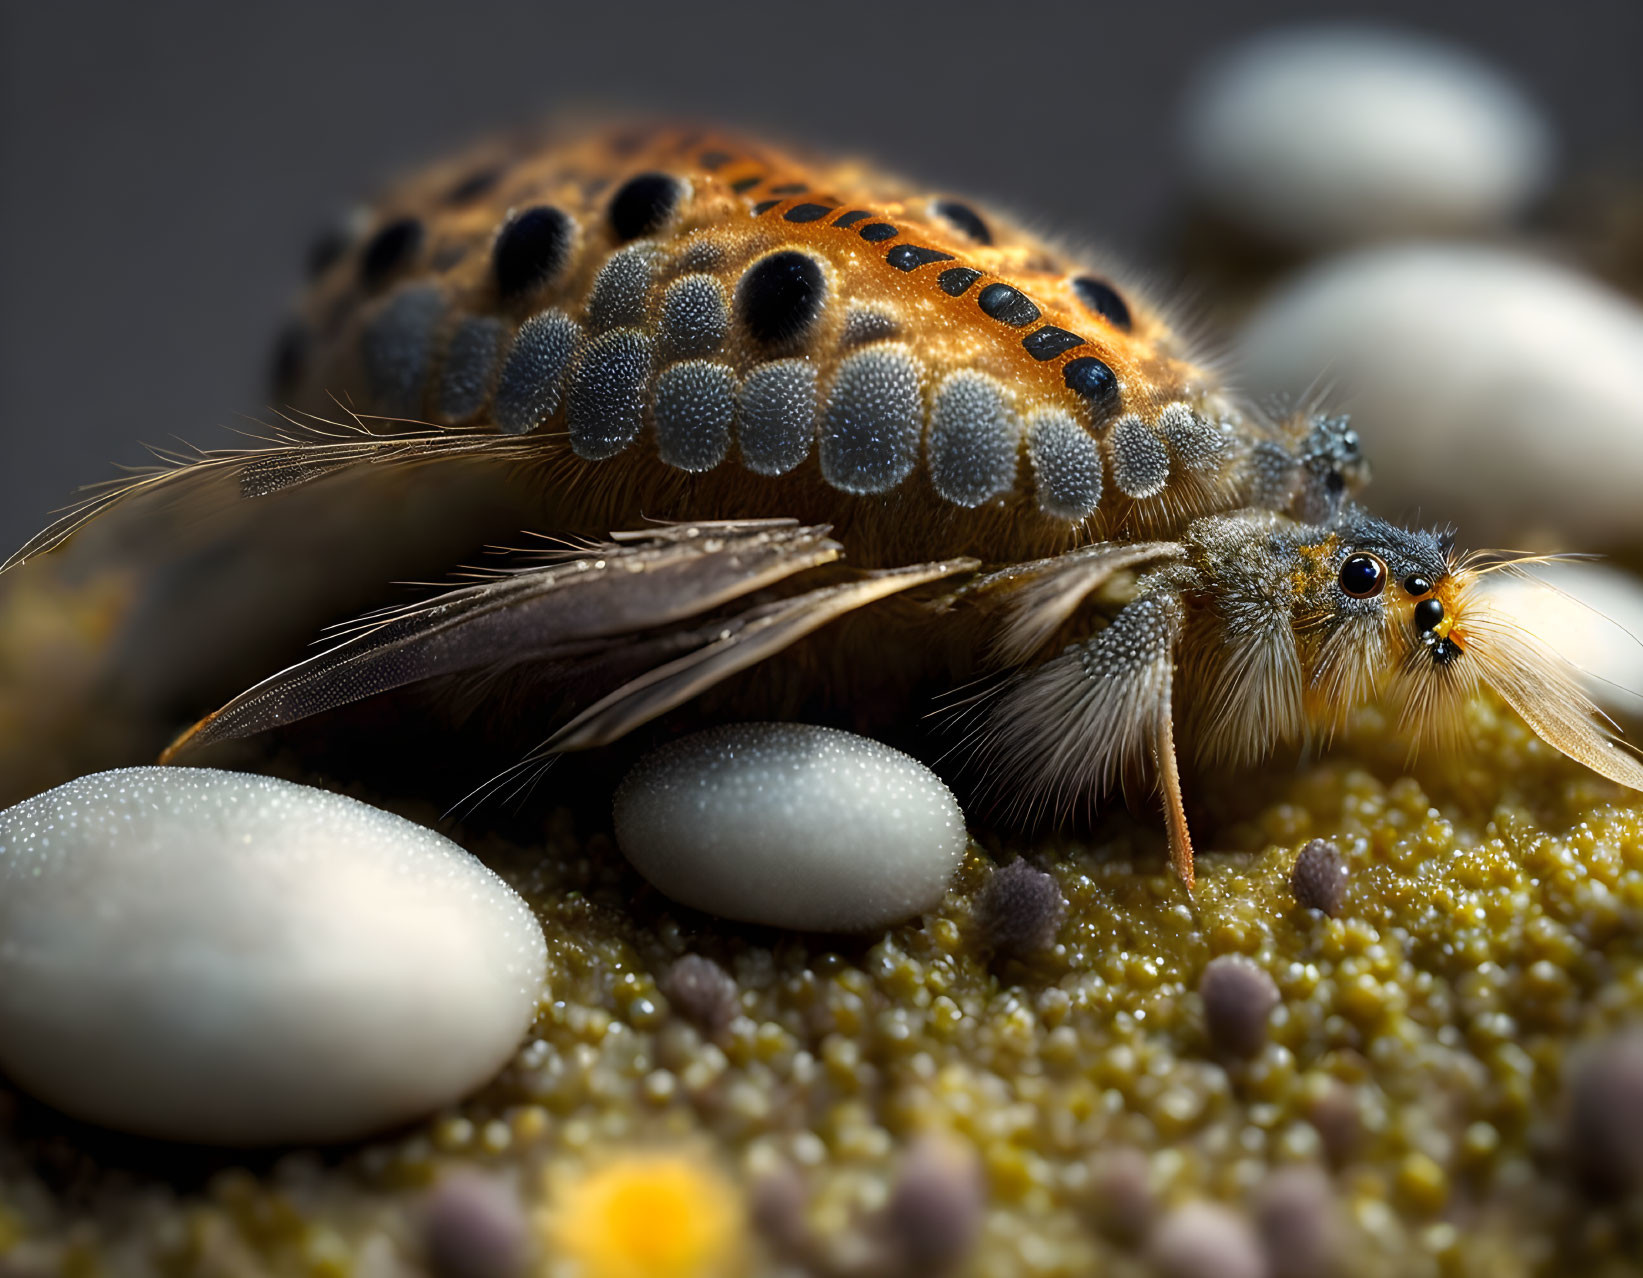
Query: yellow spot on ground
point(651, 1215)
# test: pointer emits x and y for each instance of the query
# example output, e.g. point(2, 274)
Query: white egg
point(793, 826)
point(233, 959)
point(1491, 389)
point(1333, 134)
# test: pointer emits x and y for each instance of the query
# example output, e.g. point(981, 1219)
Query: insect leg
point(1169, 787)
point(1077, 724)
point(1038, 598)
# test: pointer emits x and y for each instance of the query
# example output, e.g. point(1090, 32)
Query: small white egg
point(1333, 134)
point(1491, 389)
point(233, 959)
point(789, 825)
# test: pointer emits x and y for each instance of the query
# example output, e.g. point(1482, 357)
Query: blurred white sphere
point(1491, 389)
point(1318, 136)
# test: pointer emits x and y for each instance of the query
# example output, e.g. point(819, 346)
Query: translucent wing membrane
point(1544, 688)
point(576, 608)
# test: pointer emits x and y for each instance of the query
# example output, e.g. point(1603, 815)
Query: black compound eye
point(1428, 615)
point(1417, 585)
point(1363, 575)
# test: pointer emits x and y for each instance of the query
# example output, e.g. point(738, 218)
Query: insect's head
point(1375, 605)
point(1298, 624)
point(1304, 621)
point(1398, 613)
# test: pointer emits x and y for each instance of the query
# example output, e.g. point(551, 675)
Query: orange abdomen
point(696, 327)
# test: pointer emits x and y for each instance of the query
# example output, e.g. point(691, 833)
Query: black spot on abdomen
point(643, 204)
point(532, 248)
point(1104, 300)
point(1007, 305)
point(965, 219)
point(390, 249)
point(780, 297)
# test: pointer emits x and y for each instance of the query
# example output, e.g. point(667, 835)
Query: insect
point(864, 408)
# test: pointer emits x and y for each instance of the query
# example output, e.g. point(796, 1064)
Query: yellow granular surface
point(1418, 1057)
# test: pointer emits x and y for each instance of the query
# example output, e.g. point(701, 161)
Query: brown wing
point(641, 614)
point(750, 638)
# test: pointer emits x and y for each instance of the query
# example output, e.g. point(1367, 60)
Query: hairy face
point(1298, 623)
point(1373, 599)
point(1302, 623)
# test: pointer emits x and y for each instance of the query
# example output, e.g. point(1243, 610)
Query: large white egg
point(792, 826)
point(232, 959)
point(1325, 135)
point(1491, 389)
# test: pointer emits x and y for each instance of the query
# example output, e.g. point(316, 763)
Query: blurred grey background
point(165, 165)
